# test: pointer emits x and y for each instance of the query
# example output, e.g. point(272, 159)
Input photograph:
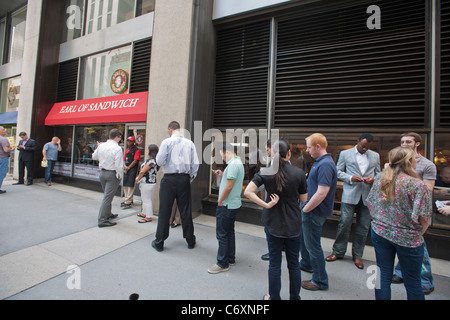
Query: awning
point(122, 108)
point(8, 117)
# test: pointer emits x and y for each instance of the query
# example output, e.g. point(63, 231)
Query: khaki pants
point(128, 194)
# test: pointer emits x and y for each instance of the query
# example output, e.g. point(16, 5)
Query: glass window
point(144, 7)
point(74, 19)
point(102, 14)
point(442, 185)
point(2, 38)
point(106, 74)
point(18, 21)
point(10, 93)
point(253, 155)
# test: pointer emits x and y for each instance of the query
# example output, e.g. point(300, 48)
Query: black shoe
point(265, 257)
point(126, 206)
point(396, 279)
point(112, 216)
point(2, 191)
point(106, 224)
point(191, 242)
point(18, 183)
point(158, 248)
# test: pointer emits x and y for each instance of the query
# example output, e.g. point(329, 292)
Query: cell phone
point(439, 204)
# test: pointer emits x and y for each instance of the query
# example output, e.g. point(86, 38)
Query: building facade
point(78, 68)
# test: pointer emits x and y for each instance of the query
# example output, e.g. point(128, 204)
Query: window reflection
point(442, 185)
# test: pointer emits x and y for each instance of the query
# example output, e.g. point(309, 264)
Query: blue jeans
point(426, 277)
point(3, 169)
point(292, 248)
point(311, 248)
point(225, 219)
point(49, 170)
point(411, 260)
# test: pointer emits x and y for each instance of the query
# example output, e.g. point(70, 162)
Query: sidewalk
point(46, 231)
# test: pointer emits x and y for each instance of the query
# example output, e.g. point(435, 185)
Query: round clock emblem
point(119, 81)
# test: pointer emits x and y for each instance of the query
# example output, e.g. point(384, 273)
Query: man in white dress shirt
point(109, 156)
point(178, 158)
point(357, 168)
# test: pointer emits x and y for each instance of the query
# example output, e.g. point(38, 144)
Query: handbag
point(44, 163)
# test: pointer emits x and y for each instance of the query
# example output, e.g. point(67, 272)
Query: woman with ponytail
point(400, 206)
point(285, 186)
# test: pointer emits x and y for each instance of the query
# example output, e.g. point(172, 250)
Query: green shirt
point(235, 171)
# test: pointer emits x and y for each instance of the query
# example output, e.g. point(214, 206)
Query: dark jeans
point(49, 170)
point(311, 248)
point(292, 248)
point(175, 186)
point(411, 261)
point(225, 219)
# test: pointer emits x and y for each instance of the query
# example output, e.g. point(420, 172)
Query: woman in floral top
point(400, 206)
point(147, 182)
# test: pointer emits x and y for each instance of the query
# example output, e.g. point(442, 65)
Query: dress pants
point(175, 186)
point(29, 166)
point(109, 183)
point(361, 229)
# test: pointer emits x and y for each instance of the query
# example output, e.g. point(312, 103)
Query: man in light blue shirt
point(178, 158)
point(50, 154)
point(228, 207)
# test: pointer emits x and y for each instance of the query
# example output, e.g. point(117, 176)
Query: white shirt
point(363, 161)
point(178, 155)
point(109, 155)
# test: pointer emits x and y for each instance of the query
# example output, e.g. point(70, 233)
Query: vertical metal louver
point(332, 71)
point(444, 114)
point(242, 63)
point(67, 81)
point(140, 66)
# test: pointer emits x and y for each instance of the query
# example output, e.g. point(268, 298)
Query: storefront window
point(77, 150)
point(253, 154)
point(382, 144)
point(106, 74)
point(18, 21)
point(10, 93)
point(442, 185)
point(102, 14)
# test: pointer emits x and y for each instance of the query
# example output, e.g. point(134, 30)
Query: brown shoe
point(332, 257)
point(358, 263)
point(308, 285)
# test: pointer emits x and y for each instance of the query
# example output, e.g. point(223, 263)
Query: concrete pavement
point(51, 248)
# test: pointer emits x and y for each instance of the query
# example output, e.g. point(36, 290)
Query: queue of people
point(394, 204)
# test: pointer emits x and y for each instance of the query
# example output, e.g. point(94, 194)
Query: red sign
point(123, 108)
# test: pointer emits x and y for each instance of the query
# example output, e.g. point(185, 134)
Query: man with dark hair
point(109, 155)
point(357, 168)
point(26, 148)
point(178, 158)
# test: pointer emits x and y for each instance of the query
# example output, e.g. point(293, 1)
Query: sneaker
point(217, 269)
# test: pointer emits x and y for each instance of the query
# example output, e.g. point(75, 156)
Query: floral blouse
point(399, 222)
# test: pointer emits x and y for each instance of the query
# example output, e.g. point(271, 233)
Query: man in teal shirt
point(228, 207)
